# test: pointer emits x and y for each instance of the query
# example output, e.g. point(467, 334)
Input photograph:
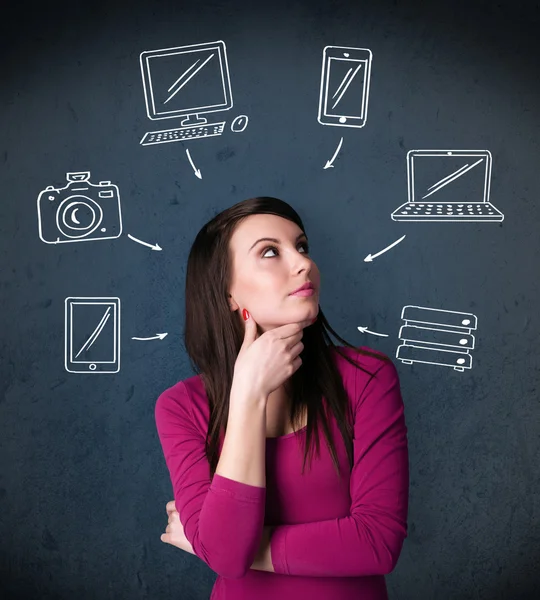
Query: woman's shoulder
point(374, 366)
point(368, 363)
point(183, 396)
point(364, 356)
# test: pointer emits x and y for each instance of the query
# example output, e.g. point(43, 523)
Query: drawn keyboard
point(475, 209)
point(182, 133)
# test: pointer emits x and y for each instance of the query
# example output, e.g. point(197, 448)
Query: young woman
point(269, 383)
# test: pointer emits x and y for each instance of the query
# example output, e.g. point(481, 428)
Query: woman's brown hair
point(213, 337)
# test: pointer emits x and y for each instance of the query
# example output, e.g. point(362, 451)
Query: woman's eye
point(306, 246)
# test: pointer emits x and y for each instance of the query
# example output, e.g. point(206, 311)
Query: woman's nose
point(304, 262)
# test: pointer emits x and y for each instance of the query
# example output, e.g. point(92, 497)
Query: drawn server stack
point(436, 337)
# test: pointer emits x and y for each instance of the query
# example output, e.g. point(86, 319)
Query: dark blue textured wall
point(83, 483)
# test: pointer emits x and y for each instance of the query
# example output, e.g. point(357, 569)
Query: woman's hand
point(174, 533)
point(266, 361)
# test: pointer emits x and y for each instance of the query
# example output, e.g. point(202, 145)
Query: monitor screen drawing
point(186, 81)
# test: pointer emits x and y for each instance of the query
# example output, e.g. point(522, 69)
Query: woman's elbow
point(230, 569)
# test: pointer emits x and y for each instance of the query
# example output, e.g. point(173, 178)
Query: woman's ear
point(232, 304)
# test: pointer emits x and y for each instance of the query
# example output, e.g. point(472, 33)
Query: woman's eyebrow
point(269, 239)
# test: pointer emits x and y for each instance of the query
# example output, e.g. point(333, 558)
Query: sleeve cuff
point(277, 550)
point(240, 491)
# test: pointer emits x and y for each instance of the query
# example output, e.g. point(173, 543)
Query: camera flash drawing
point(186, 82)
point(448, 185)
point(92, 335)
point(80, 211)
point(437, 337)
point(344, 91)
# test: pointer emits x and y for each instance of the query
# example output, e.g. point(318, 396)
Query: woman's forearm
point(243, 454)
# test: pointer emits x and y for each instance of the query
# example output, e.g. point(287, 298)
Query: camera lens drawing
point(81, 211)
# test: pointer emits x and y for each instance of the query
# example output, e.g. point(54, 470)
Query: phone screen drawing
point(344, 92)
point(92, 335)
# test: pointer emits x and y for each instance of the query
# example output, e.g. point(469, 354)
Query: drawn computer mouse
point(240, 123)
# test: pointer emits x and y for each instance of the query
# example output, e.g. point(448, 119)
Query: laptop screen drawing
point(447, 178)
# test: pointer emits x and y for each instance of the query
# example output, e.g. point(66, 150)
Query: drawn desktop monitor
point(186, 82)
point(92, 335)
point(448, 185)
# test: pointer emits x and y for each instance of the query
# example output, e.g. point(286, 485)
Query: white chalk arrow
point(195, 170)
point(366, 330)
point(153, 246)
point(155, 337)
point(370, 257)
point(329, 162)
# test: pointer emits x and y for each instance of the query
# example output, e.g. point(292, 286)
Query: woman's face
point(264, 273)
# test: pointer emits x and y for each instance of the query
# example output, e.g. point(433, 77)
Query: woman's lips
point(308, 292)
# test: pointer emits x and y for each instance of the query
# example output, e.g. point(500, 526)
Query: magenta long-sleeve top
point(333, 539)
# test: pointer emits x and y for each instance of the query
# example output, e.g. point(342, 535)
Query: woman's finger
point(171, 506)
point(174, 516)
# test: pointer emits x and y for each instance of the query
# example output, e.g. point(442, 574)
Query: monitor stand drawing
point(186, 82)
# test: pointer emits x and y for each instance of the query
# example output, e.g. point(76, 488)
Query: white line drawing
point(437, 337)
point(344, 92)
point(159, 336)
point(81, 211)
point(239, 123)
point(370, 257)
point(195, 170)
point(186, 82)
point(366, 330)
point(152, 246)
point(448, 186)
point(329, 162)
point(92, 335)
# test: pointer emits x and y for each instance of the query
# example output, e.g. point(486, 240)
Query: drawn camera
point(80, 211)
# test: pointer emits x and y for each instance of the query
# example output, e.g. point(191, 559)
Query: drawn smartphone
point(92, 335)
point(344, 94)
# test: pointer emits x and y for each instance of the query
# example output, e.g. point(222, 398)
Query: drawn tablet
point(344, 93)
point(92, 335)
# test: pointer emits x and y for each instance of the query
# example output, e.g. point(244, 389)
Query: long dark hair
point(214, 334)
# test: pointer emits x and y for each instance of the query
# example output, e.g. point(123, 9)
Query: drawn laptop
point(448, 185)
